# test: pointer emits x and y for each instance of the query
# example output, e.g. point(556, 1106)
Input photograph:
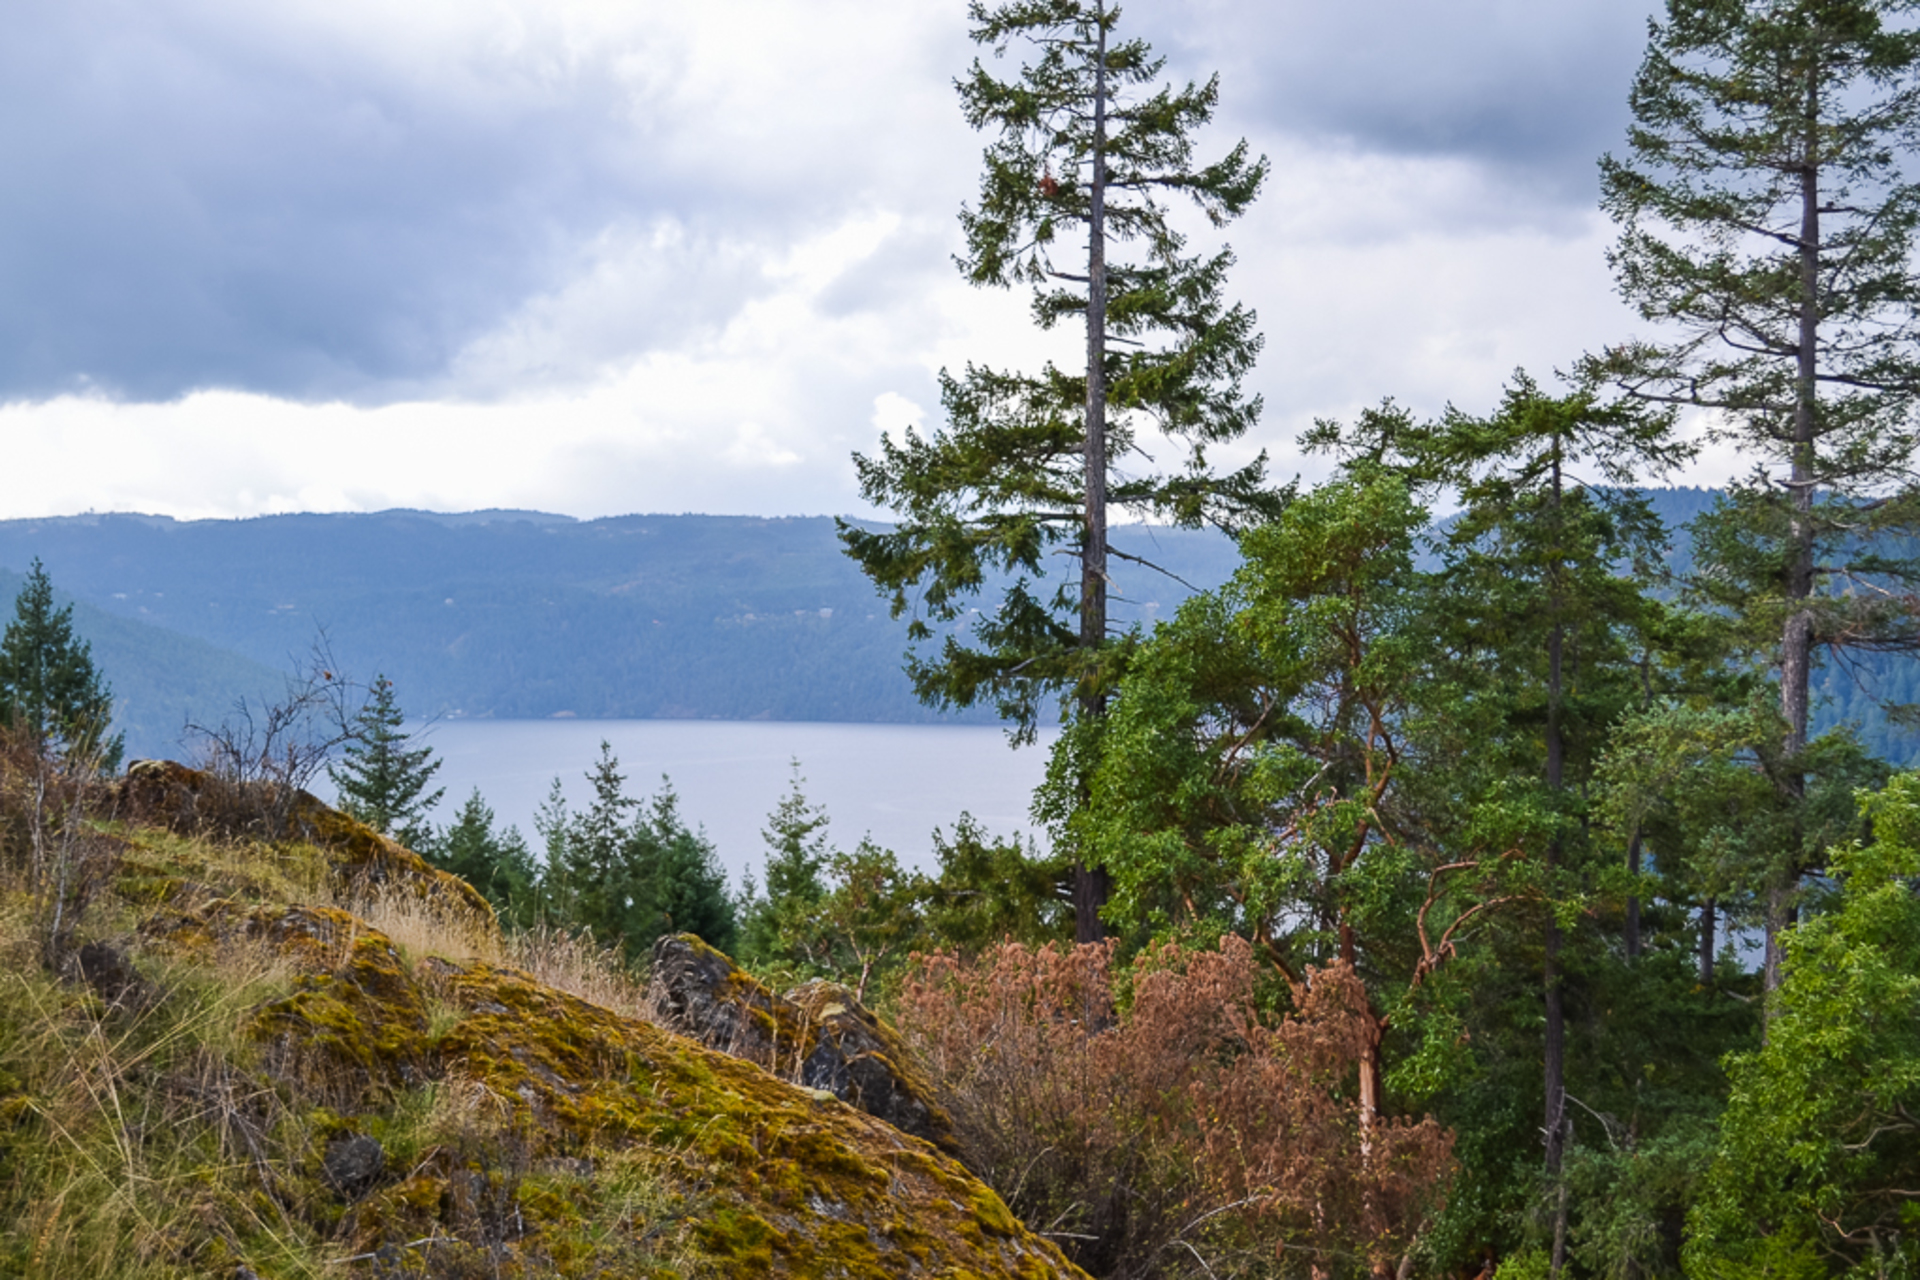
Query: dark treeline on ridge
point(698, 617)
point(516, 615)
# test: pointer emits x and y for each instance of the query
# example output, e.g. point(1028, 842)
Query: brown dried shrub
point(52, 846)
point(1187, 1132)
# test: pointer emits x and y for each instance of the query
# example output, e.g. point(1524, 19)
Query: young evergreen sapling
point(49, 688)
point(383, 778)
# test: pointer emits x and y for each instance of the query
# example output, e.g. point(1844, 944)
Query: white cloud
point(753, 447)
point(894, 415)
point(612, 257)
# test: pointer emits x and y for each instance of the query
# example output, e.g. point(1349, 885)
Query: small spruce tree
point(629, 872)
point(679, 885)
point(498, 864)
point(776, 929)
point(383, 779)
point(49, 688)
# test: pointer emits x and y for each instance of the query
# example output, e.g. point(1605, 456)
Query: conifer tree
point(383, 779)
point(679, 884)
point(498, 864)
point(49, 688)
point(1535, 598)
point(591, 887)
point(630, 872)
point(1089, 150)
point(1768, 215)
point(777, 928)
point(551, 822)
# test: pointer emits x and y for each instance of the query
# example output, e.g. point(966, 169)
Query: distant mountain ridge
point(526, 614)
point(516, 614)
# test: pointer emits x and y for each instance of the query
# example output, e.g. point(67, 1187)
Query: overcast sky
point(647, 255)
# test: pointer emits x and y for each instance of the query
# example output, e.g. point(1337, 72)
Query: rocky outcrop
point(195, 802)
point(399, 1106)
point(816, 1035)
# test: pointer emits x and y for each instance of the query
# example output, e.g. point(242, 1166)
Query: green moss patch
point(521, 1131)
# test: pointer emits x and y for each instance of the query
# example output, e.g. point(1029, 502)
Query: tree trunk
point(1556, 1046)
point(1706, 942)
point(1796, 641)
point(1556, 1081)
point(1090, 885)
point(1633, 901)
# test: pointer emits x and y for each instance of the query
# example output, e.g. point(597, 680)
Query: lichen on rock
point(817, 1035)
point(195, 802)
point(393, 1112)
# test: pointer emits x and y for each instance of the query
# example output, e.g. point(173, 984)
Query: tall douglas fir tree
point(1768, 215)
point(1090, 149)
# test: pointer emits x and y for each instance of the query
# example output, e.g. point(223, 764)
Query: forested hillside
point(525, 615)
point(515, 614)
point(161, 678)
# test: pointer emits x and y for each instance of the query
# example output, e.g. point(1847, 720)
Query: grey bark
point(1090, 883)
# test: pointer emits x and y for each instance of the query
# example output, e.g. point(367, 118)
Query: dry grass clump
point(52, 845)
point(171, 1135)
point(566, 960)
point(422, 926)
point(139, 1142)
point(574, 963)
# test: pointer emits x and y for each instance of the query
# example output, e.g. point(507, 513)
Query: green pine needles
point(1768, 215)
point(383, 778)
point(1090, 153)
point(629, 871)
point(49, 688)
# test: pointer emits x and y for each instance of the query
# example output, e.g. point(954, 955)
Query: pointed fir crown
point(1087, 153)
point(48, 684)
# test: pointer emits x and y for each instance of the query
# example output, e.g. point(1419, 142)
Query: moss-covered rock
point(777, 1179)
point(329, 1103)
point(195, 802)
point(354, 1024)
point(817, 1035)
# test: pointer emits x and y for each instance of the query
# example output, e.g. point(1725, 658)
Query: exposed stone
point(353, 1163)
point(197, 802)
point(817, 1035)
point(861, 1060)
point(522, 1131)
point(113, 977)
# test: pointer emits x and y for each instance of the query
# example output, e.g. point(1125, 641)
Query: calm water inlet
point(893, 782)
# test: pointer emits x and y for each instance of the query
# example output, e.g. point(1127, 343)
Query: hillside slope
point(161, 679)
point(516, 614)
point(313, 1055)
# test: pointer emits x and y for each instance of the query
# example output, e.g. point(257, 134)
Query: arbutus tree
point(1091, 151)
point(1286, 760)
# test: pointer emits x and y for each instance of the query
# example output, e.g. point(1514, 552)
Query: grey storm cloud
point(204, 195)
point(1536, 91)
point(195, 202)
